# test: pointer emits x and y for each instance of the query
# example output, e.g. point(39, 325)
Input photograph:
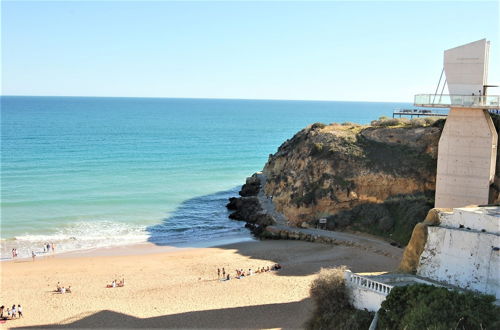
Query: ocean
point(88, 172)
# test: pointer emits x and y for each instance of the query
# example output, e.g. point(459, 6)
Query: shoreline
point(134, 249)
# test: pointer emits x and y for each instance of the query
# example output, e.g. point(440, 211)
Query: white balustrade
point(364, 282)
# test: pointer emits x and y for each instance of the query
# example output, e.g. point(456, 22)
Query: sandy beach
point(178, 288)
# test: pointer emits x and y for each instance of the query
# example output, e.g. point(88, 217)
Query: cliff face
point(361, 178)
point(379, 180)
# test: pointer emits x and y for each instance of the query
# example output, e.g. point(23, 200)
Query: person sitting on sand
point(228, 277)
point(68, 289)
point(121, 283)
point(58, 287)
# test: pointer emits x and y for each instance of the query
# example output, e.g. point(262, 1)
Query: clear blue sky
point(360, 51)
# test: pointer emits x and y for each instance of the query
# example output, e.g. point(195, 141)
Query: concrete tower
point(468, 146)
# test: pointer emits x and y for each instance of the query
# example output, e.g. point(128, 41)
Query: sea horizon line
point(197, 98)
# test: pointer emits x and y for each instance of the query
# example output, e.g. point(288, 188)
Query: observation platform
point(457, 101)
point(419, 112)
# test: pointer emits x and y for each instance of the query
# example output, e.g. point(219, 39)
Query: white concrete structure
point(466, 68)
point(467, 153)
point(369, 291)
point(468, 146)
point(464, 250)
point(366, 293)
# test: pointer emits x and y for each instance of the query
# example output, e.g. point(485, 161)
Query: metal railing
point(364, 282)
point(466, 101)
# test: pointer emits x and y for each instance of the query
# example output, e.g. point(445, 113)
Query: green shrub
point(317, 148)
point(418, 122)
point(421, 306)
point(429, 121)
point(317, 125)
point(333, 308)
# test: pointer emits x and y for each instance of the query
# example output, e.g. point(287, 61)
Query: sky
point(351, 51)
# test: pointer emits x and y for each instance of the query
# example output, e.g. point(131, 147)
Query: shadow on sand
point(251, 317)
point(203, 221)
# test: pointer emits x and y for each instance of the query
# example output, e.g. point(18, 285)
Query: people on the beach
point(61, 289)
point(14, 253)
point(11, 313)
point(218, 272)
point(33, 255)
point(53, 247)
point(240, 273)
point(116, 283)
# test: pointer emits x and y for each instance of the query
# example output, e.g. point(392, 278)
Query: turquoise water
point(89, 172)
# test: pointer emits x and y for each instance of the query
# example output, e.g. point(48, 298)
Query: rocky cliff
point(378, 179)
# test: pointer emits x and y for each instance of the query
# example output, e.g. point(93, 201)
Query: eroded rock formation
point(379, 180)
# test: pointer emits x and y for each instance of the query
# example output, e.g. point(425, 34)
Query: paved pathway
point(267, 204)
point(371, 243)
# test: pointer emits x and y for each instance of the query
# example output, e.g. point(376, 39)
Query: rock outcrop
point(379, 180)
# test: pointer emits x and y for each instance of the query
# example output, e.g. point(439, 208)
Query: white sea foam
point(77, 236)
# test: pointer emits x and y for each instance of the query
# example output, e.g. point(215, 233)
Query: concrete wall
point(464, 258)
point(365, 293)
point(466, 159)
point(476, 218)
point(362, 298)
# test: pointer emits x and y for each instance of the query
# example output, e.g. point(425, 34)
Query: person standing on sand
point(53, 248)
point(33, 255)
point(14, 311)
point(19, 311)
point(1, 311)
point(218, 272)
point(223, 272)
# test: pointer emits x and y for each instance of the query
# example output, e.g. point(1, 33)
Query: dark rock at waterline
point(244, 208)
point(232, 205)
point(251, 187)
